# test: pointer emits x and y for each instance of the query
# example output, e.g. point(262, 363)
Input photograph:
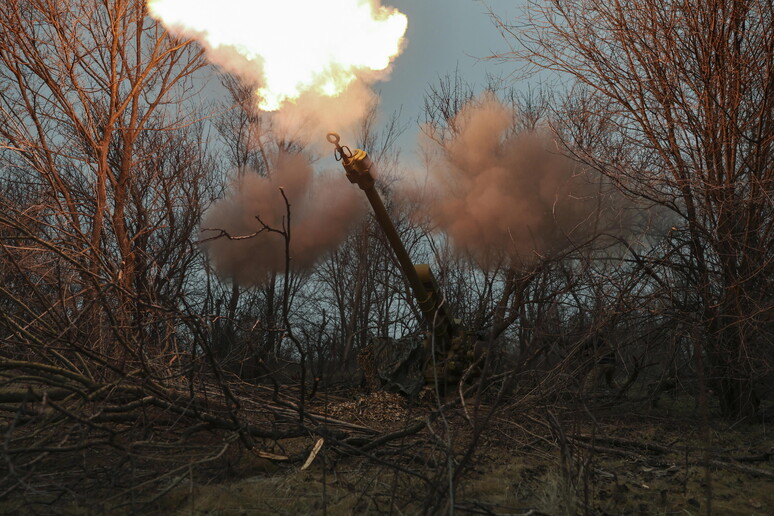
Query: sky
point(443, 35)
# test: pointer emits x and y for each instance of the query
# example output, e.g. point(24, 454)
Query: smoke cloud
point(311, 65)
point(322, 212)
point(505, 195)
point(312, 116)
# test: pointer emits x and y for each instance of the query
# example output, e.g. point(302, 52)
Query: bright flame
point(292, 46)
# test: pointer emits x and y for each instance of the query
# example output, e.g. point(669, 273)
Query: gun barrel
point(358, 166)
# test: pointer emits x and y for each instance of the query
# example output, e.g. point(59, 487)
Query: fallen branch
point(646, 446)
point(743, 468)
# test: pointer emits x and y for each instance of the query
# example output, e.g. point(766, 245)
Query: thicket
point(123, 351)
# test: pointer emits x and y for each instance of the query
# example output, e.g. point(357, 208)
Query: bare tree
point(93, 114)
point(105, 172)
point(673, 100)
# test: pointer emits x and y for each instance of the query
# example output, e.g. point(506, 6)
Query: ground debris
point(376, 407)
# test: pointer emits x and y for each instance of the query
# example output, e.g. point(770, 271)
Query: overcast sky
point(442, 35)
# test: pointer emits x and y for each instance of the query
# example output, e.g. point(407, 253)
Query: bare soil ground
point(602, 459)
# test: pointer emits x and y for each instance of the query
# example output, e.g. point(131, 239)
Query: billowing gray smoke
point(501, 195)
point(323, 210)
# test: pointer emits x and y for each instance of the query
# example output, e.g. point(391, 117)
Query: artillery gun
point(448, 350)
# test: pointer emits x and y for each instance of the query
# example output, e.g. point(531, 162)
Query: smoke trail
point(322, 214)
point(504, 195)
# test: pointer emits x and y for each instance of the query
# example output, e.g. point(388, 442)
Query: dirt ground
point(652, 462)
point(512, 485)
point(624, 460)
